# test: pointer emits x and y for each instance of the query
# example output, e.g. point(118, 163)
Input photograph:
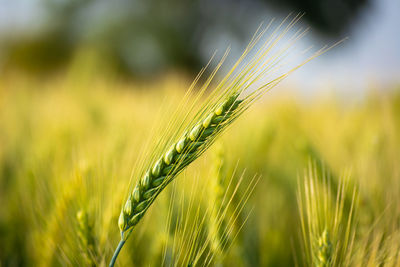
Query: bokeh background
point(142, 39)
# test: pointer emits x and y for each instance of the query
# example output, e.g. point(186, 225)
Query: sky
point(369, 57)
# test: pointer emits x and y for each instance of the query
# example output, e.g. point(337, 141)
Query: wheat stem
point(116, 253)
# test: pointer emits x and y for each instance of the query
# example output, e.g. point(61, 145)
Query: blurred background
point(142, 39)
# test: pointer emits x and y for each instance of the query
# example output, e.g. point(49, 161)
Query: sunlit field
point(294, 181)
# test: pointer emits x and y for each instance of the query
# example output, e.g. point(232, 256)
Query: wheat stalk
point(232, 96)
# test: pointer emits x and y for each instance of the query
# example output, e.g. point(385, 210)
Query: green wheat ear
point(180, 155)
point(233, 95)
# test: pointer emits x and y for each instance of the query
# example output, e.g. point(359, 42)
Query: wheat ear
point(234, 95)
point(180, 155)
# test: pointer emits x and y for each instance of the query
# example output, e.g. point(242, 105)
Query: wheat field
point(306, 182)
